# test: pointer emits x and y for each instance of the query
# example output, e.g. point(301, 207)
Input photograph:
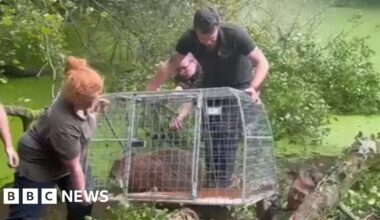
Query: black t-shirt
point(225, 66)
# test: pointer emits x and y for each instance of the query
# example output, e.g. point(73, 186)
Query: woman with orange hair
point(54, 150)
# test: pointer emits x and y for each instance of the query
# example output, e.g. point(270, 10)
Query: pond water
point(338, 18)
point(17, 91)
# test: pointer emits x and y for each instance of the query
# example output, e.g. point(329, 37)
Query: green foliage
point(135, 212)
point(126, 40)
point(308, 80)
point(146, 212)
point(299, 110)
point(228, 9)
point(127, 49)
point(350, 83)
point(244, 213)
point(139, 213)
point(30, 32)
point(295, 105)
point(364, 197)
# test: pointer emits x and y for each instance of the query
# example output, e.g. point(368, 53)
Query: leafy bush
point(297, 112)
point(309, 79)
point(350, 84)
point(135, 212)
point(32, 33)
point(364, 197)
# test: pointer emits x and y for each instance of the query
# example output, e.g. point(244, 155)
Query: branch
point(363, 155)
point(50, 62)
point(41, 70)
point(347, 211)
point(26, 115)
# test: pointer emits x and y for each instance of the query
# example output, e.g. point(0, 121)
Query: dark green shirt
point(225, 66)
point(186, 83)
point(58, 135)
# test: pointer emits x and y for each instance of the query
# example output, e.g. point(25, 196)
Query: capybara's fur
point(162, 170)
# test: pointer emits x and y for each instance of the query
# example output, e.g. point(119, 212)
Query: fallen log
point(363, 155)
point(26, 115)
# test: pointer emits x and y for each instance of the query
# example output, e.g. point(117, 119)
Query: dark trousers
point(75, 211)
point(221, 133)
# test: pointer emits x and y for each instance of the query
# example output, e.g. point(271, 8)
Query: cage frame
point(194, 198)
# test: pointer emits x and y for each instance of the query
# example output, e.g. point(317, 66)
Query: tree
point(26, 115)
point(363, 155)
point(31, 32)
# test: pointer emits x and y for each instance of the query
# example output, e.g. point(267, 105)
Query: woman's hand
point(101, 105)
point(13, 159)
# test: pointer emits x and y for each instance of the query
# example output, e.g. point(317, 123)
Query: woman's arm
point(77, 175)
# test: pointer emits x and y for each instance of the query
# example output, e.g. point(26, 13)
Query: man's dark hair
point(205, 20)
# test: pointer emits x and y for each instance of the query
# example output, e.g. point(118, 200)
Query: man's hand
point(177, 123)
point(254, 95)
point(13, 159)
point(184, 112)
point(260, 73)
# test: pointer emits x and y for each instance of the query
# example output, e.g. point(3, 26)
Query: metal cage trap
point(222, 154)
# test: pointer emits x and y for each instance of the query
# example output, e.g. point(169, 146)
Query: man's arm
point(248, 48)
point(165, 72)
point(259, 60)
point(6, 138)
point(184, 112)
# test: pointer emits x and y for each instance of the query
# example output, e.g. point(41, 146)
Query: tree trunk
point(364, 154)
point(26, 115)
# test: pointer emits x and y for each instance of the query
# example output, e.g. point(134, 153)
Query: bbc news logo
point(50, 196)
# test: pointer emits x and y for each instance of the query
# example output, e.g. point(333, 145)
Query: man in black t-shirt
point(226, 55)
